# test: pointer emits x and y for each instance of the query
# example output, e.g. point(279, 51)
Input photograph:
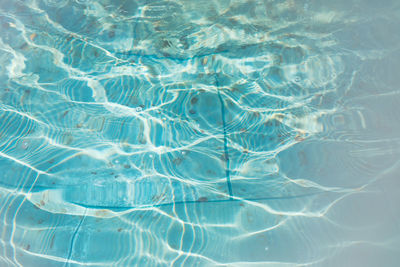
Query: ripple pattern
point(192, 133)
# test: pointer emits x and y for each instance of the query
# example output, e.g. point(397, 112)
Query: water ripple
point(192, 133)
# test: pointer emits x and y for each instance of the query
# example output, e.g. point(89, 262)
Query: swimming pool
point(199, 133)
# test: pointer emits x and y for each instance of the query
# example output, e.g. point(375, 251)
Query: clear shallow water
point(199, 133)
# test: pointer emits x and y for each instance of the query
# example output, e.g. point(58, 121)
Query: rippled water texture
point(199, 133)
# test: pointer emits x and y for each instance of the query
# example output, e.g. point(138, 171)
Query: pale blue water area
point(199, 133)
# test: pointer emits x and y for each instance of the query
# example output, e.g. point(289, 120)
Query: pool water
point(199, 133)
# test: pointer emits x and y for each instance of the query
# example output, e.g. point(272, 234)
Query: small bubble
point(25, 145)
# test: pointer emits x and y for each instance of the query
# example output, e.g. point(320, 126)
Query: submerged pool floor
point(199, 133)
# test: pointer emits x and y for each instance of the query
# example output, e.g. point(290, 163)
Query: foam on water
point(198, 133)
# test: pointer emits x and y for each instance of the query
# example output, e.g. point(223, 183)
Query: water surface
point(199, 133)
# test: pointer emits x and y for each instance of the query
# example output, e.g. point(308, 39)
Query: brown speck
point(65, 113)
point(299, 138)
point(166, 43)
point(32, 36)
point(202, 199)
point(210, 172)
point(177, 161)
point(194, 100)
point(52, 241)
point(224, 157)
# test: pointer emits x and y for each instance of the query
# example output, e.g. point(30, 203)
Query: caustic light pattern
point(199, 133)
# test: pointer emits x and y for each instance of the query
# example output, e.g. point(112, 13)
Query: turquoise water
point(199, 133)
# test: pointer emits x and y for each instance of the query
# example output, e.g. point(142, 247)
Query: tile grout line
point(67, 263)
point(226, 154)
point(202, 202)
